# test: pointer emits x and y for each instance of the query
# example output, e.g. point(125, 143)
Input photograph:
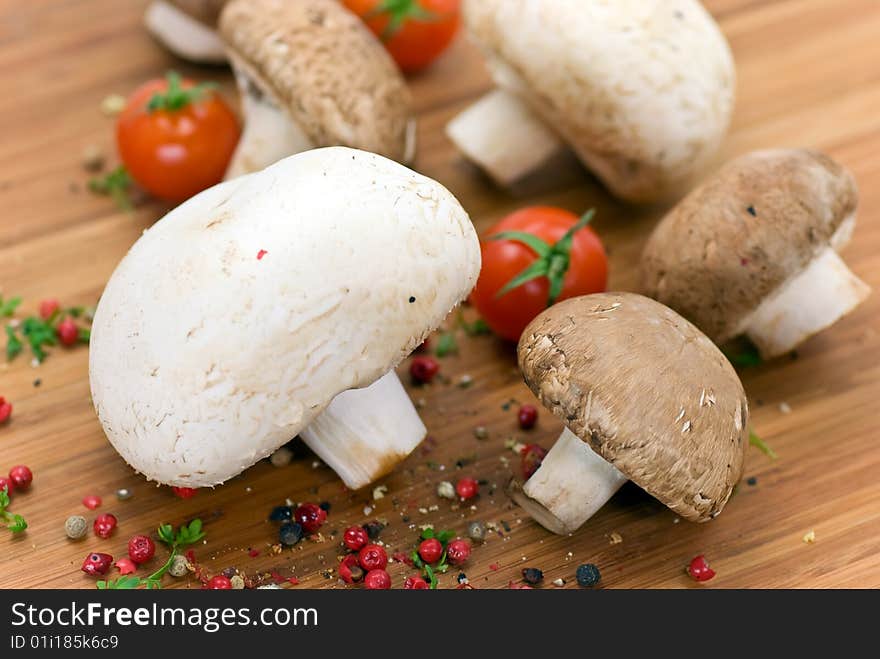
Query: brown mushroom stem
point(269, 132)
point(572, 483)
point(183, 35)
point(503, 136)
point(818, 296)
point(364, 433)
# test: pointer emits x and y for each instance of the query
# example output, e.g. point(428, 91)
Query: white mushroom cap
point(641, 89)
point(207, 354)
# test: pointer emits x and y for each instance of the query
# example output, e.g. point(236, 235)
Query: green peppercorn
point(179, 566)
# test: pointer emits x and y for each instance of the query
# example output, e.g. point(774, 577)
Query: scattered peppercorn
point(527, 416)
point(7, 484)
point(125, 566)
point(104, 525)
point(67, 331)
point(422, 369)
point(752, 480)
point(310, 516)
point(377, 580)
point(96, 564)
point(290, 533)
point(467, 488)
point(48, 307)
point(219, 582)
point(699, 569)
point(477, 531)
point(237, 582)
point(349, 569)
point(179, 566)
point(281, 514)
point(458, 552)
point(141, 549)
point(415, 583)
point(481, 432)
point(587, 575)
point(430, 550)
point(5, 409)
point(21, 476)
point(281, 457)
point(532, 457)
point(76, 527)
point(374, 529)
point(446, 490)
point(91, 502)
point(355, 537)
point(532, 575)
point(372, 557)
point(325, 506)
point(123, 494)
point(185, 492)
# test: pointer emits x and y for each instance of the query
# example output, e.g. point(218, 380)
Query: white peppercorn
point(179, 566)
point(76, 527)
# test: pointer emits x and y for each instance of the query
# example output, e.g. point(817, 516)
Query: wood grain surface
point(808, 75)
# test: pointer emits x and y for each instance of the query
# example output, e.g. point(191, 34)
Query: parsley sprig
point(37, 332)
point(187, 534)
point(430, 571)
point(14, 523)
point(8, 307)
point(115, 184)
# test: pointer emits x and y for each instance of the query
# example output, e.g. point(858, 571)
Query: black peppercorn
point(532, 575)
point(290, 533)
point(588, 575)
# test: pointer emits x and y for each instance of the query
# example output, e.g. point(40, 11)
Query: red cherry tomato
point(503, 260)
point(415, 32)
point(180, 148)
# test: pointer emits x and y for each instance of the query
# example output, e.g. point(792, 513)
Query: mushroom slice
point(641, 90)
point(754, 250)
point(188, 28)
point(311, 74)
point(277, 302)
point(645, 396)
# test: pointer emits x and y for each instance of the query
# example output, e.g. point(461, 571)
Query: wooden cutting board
point(809, 75)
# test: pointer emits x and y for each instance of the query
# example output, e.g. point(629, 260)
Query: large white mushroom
point(311, 74)
point(641, 90)
point(233, 323)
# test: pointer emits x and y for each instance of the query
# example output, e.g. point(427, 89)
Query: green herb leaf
point(8, 307)
point(18, 524)
point(446, 344)
point(14, 523)
point(166, 534)
point(427, 533)
point(540, 247)
point(116, 184)
point(13, 343)
point(445, 536)
point(4, 498)
point(747, 358)
point(760, 444)
point(476, 328)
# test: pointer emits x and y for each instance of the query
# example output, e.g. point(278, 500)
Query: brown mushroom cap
point(647, 391)
point(733, 240)
point(204, 11)
point(321, 63)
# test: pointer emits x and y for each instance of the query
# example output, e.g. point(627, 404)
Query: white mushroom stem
point(269, 133)
point(812, 300)
point(505, 137)
point(571, 484)
point(364, 433)
point(183, 35)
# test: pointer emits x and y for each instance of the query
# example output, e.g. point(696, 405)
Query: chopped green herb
point(8, 307)
point(446, 344)
point(476, 328)
point(760, 444)
point(14, 523)
point(116, 184)
point(746, 358)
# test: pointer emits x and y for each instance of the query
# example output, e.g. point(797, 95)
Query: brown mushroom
point(754, 250)
point(645, 396)
point(311, 74)
point(188, 28)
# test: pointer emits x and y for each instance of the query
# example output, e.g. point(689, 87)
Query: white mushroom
point(233, 323)
point(641, 90)
point(188, 28)
point(311, 74)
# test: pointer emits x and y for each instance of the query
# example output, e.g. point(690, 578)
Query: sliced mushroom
point(188, 28)
point(754, 250)
point(641, 90)
point(233, 322)
point(645, 396)
point(311, 74)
